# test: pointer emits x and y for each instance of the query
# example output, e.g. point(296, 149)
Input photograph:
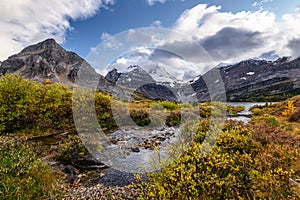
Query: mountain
point(136, 81)
point(48, 60)
point(249, 80)
point(256, 80)
point(160, 75)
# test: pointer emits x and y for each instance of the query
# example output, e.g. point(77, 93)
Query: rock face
point(48, 60)
point(256, 80)
point(133, 78)
point(113, 76)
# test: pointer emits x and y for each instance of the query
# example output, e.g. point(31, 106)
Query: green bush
point(238, 167)
point(103, 109)
point(33, 107)
point(17, 102)
point(22, 176)
point(170, 105)
point(271, 120)
point(233, 110)
point(54, 106)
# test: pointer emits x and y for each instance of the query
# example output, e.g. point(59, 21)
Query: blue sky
point(128, 14)
point(229, 30)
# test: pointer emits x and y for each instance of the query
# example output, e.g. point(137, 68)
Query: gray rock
point(113, 76)
point(48, 60)
point(135, 149)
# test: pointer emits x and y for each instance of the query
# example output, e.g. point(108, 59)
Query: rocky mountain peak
point(47, 45)
point(48, 60)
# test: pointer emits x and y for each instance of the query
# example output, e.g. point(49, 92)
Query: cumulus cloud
point(26, 22)
point(231, 37)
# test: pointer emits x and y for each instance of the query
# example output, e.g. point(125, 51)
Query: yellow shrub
point(290, 108)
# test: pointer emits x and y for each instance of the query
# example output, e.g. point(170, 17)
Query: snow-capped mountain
point(138, 79)
point(159, 74)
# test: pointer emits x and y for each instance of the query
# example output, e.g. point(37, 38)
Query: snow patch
point(243, 78)
point(250, 73)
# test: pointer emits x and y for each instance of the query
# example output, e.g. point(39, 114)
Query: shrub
point(233, 110)
point(22, 176)
point(30, 106)
point(238, 167)
point(170, 105)
point(104, 110)
point(271, 120)
point(256, 111)
point(17, 102)
point(290, 108)
point(54, 106)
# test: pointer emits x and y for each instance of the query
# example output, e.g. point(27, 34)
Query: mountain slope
point(48, 60)
point(256, 80)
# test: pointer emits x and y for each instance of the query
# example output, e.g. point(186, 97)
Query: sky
point(229, 31)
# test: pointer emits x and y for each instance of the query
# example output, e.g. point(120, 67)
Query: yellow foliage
point(47, 81)
point(290, 108)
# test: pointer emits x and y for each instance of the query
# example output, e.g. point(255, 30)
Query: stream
point(131, 150)
point(244, 116)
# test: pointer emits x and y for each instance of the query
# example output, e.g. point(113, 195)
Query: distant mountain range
point(249, 80)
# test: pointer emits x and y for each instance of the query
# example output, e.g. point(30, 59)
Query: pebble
point(100, 191)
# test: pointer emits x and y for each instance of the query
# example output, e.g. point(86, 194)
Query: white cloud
point(231, 37)
point(261, 2)
point(152, 2)
point(26, 22)
point(156, 23)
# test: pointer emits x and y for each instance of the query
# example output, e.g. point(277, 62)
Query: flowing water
point(244, 116)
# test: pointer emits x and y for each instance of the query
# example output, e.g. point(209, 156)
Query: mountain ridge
point(248, 80)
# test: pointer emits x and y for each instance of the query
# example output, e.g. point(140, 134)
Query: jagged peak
point(49, 43)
